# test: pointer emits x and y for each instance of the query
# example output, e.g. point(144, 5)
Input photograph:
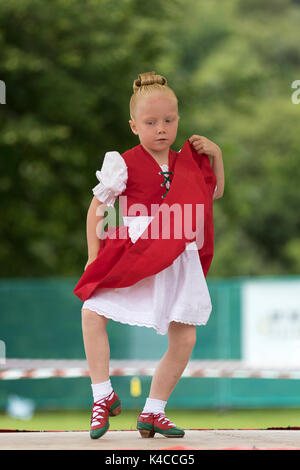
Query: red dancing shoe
point(102, 409)
point(150, 423)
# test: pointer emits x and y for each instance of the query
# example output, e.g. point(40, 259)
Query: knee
point(92, 319)
point(185, 338)
point(189, 339)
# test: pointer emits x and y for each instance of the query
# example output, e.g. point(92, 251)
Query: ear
point(133, 126)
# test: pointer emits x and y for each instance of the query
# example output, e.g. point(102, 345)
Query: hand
point(89, 261)
point(203, 145)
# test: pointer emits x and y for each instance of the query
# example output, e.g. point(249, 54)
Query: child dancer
point(154, 281)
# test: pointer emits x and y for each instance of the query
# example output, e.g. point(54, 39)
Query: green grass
point(187, 419)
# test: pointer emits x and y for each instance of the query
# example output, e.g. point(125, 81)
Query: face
point(156, 122)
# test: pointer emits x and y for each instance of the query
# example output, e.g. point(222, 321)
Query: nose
point(161, 128)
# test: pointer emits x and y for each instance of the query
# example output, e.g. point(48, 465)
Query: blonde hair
point(148, 83)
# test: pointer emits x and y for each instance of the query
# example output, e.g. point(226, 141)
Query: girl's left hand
point(203, 145)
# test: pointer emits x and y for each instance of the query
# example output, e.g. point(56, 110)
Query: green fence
point(41, 319)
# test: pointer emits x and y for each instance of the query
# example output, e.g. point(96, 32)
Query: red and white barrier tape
point(15, 369)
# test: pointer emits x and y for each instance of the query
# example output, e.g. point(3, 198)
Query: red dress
point(120, 262)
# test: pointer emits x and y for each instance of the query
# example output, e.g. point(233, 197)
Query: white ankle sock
point(101, 390)
point(153, 405)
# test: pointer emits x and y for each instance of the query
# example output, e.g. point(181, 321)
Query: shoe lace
point(161, 417)
point(99, 409)
point(164, 420)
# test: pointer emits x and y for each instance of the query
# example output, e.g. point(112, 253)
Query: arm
point(218, 169)
point(203, 145)
point(112, 182)
point(94, 222)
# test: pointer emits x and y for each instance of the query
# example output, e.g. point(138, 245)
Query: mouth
point(161, 140)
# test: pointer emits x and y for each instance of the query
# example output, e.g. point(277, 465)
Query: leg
point(96, 345)
point(182, 339)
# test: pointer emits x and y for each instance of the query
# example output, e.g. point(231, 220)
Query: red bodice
point(121, 263)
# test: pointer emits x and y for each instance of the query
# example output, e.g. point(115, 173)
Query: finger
point(193, 138)
point(198, 146)
point(200, 142)
point(199, 137)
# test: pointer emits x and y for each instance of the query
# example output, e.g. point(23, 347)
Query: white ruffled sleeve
point(112, 178)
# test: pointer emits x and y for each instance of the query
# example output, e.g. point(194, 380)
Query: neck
point(159, 156)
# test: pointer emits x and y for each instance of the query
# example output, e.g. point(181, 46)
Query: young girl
point(154, 281)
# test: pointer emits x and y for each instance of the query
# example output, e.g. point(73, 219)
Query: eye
point(149, 123)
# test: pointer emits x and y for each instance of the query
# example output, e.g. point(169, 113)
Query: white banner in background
point(271, 323)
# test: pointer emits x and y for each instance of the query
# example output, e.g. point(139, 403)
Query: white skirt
point(177, 293)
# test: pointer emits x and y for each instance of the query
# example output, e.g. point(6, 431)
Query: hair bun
point(148, 78)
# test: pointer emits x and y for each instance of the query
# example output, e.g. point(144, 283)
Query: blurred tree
point(236, 61)
point(69, 65)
